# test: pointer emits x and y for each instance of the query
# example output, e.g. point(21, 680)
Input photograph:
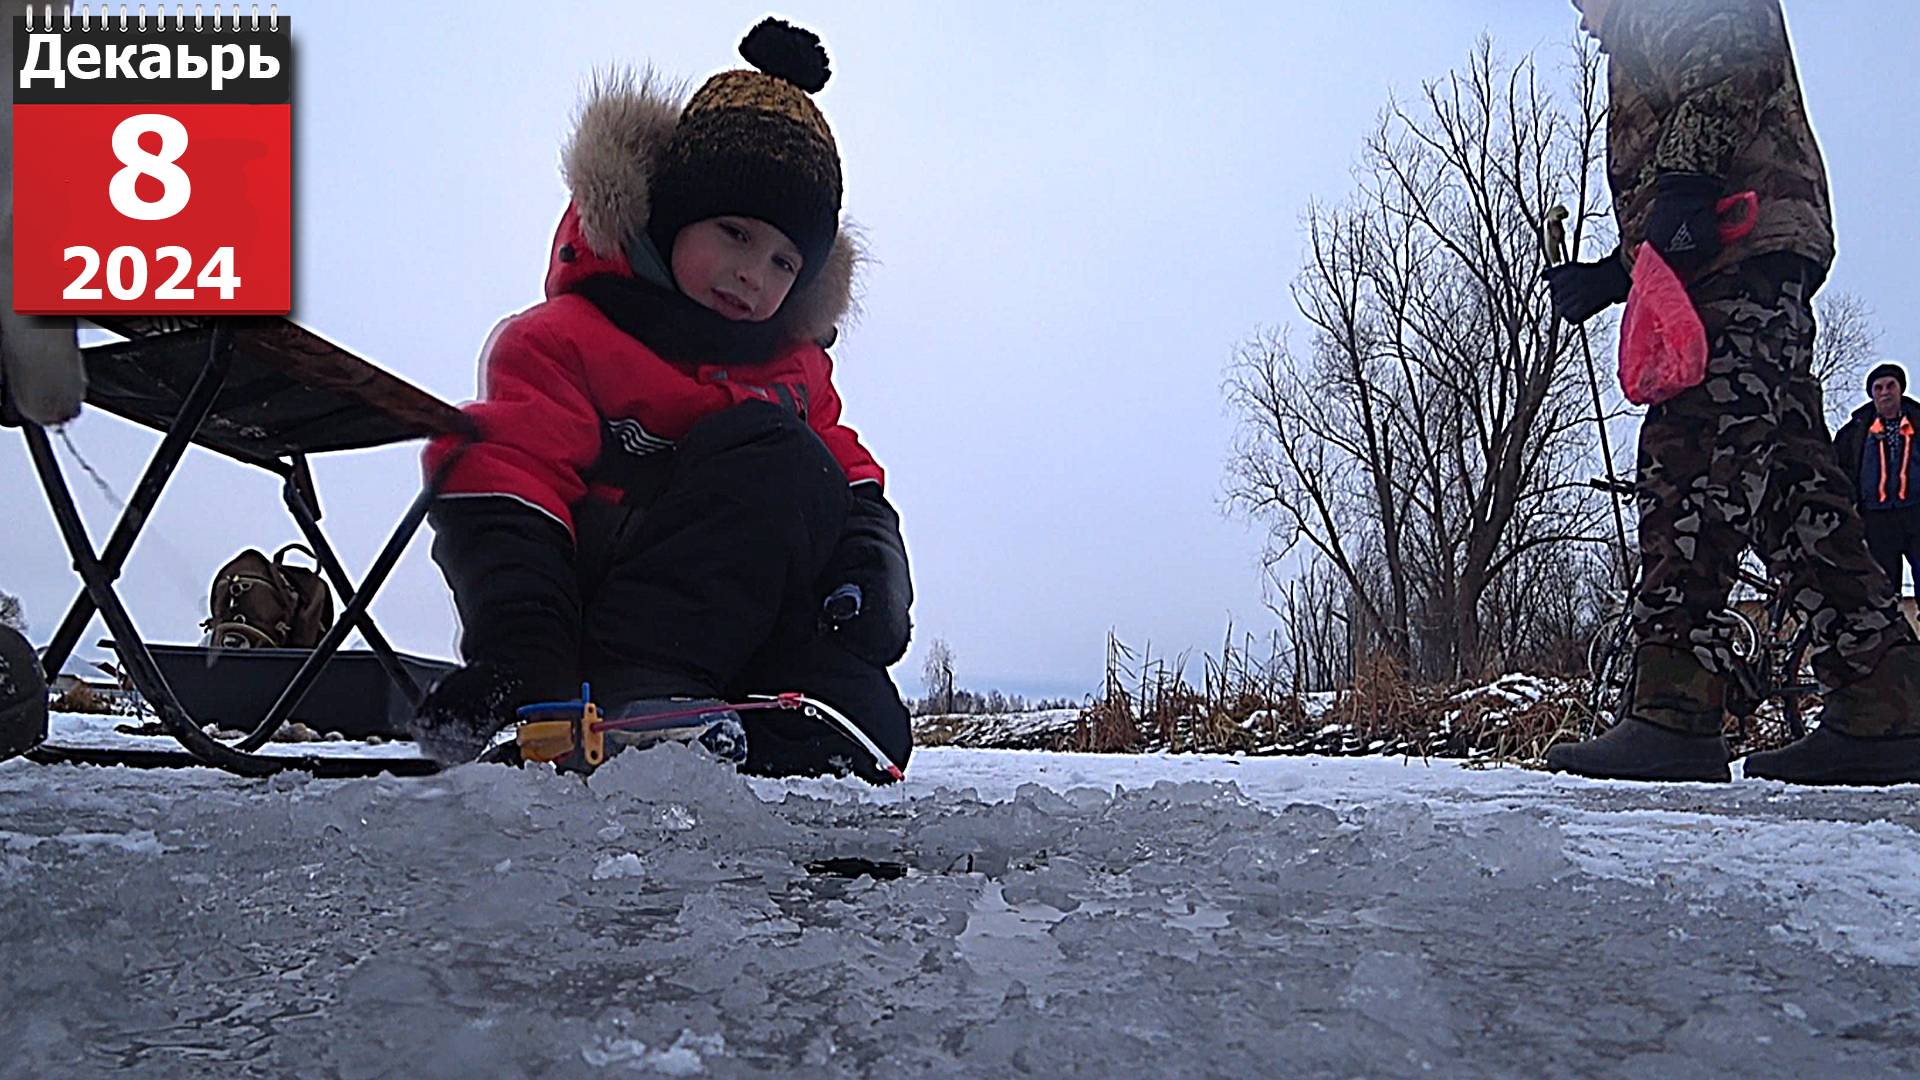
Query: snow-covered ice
point(1027, 913)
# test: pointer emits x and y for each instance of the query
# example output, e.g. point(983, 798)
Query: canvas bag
point(1663, 346)
point(262, 603)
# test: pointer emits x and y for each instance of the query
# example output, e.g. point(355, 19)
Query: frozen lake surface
point(1043, 914)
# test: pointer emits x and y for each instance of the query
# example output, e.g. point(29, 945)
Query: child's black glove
point(1581, 290)
point(870, 618)
point(1681, 225)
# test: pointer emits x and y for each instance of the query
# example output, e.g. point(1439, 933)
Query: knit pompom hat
point(752, 143)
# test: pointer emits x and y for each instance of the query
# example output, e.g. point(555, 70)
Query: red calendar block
point(174, 199)
point(225, 249)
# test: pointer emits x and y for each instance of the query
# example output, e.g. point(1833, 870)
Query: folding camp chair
point(268, 393)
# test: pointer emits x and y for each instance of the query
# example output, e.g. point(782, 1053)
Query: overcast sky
point(1076, 210)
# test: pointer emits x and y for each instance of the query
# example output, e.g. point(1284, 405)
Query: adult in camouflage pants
point(1704, 102)
point(1744, 460)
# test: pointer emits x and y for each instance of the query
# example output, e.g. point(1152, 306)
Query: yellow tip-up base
point(571, 742)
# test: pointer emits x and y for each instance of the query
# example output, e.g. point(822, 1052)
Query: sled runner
point(268, 393)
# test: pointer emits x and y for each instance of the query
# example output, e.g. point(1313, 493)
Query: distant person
point(1704, 102)
point(1876, 447)
point(664, 502)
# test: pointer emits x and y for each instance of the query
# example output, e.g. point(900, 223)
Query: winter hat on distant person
point(752, 143)
point(1885, 370)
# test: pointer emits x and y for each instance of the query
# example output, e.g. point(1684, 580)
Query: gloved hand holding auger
point(1581, 290)
point(1685, 225)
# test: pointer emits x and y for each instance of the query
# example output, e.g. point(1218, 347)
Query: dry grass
point(1105, 727)
point(1243, 706)
point(1485, 733)
point(1147, 704)
point(82, 699)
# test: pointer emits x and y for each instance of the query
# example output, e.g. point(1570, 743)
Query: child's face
point(741, 267)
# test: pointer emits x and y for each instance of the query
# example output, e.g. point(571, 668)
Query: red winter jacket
point(552, 374)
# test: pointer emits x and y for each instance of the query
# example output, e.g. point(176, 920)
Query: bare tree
point(1541, 616)
point(1845, 349)
point(1316, 627)
point(936, 673)
point(1430, 436)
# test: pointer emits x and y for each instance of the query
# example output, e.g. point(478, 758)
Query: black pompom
point(785, 51)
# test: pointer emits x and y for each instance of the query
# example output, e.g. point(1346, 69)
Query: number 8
point(177, 189)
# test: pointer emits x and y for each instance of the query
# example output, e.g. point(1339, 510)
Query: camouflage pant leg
point(1812, 532)
point(1744, 459)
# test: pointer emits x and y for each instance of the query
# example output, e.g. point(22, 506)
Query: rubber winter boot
point(1869, 732)
point(23, 695)
point(1671, 730)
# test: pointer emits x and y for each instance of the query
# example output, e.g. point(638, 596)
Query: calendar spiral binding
point(85, 18)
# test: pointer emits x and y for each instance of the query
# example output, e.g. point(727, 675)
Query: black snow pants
point(1893, 536)
point(709, 585)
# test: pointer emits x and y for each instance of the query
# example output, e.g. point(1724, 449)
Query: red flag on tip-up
point(1663, 346)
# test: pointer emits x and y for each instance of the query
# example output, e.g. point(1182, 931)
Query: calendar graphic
point(152, 161)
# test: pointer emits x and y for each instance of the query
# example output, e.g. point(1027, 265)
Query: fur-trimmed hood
point(622, 129)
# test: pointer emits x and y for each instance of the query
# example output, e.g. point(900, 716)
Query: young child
point(663, 496)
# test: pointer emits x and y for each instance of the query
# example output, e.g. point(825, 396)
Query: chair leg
point(134, 657)
point(309, 523)
point(355, 610)
point(186, 424)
